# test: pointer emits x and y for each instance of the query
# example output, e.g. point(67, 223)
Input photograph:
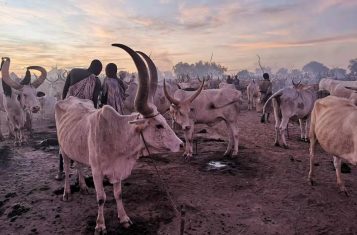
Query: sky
point(70, 33)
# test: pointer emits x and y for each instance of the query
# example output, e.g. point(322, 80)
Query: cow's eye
point(159, 126)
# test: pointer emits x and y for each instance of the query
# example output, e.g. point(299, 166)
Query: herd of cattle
point(111, 143)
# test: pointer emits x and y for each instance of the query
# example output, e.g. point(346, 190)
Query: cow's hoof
point(311, 182)
point(234, 155)
point(2, 138)
point(344, 190)
point(277, 144)
point(84, 190)
point(100, 231)
point(285, 146)
point(306, 140)
point(66, 197)
point(126, 222)
point(59, 176)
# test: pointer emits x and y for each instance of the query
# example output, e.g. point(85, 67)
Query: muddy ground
point(262, 191)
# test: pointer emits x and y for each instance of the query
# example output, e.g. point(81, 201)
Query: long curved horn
point(153, 76)
point(41, 78)
point(141, 98)
point(194, 96)
point(6, 76)
point(170, 98)
point(295, 84)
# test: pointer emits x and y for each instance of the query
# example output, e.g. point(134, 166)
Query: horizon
point(284, 34)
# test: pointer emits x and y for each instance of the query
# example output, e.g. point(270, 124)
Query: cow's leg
point(301, 130)
point(337, 163)
point(283, 124)
point(81, 179)
point(123, 217)
point(249, 102)
point(189, 142)
point(277, 123)
point(235, 131)
point(1, 135)
point(67, 187)
point(307, 124)
point(230, 140)
point(101, 197)
point(11, 129)
point(59, 175)
point(312, 157)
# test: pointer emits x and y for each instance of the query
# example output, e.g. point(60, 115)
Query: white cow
point(253, 94)
point(26, 89)
point(207, 107)
point(47, 104)
point(160, 100)
point(329, 83)
point(111, 143)
point(292, 101)
point(25, 96)
point(334, 127)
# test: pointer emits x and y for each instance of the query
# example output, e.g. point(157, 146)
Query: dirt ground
point(262, 191)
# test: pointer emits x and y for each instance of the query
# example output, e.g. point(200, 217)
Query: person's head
point(111, 70)
point(95, 67)
point(266, 76)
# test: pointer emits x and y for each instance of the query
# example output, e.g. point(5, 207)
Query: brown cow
point(334, 126)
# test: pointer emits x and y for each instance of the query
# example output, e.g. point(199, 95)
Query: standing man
point(113, 92)
point(236, 82)
point(265, 89)
point(84, 84)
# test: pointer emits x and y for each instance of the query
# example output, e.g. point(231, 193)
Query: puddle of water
point(216, 164)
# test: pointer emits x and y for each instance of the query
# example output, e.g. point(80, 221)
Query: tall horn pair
point(142, 94)
point(153, 76)
point(189, 100)
point(6, 76)
point(41, 78)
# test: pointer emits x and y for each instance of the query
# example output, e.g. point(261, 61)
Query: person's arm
point(66, 86)
point(97, 88)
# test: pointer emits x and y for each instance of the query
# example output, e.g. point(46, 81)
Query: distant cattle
point(253, 94)
point(334, 127)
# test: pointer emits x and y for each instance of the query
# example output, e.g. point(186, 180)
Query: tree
point(200, 68)
point(338, 73)
point(315, 67)
point(282, 72)
point(243, 74)
point(353, 66)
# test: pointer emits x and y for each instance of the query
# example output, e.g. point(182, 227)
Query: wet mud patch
point(5, 156)
point(17, 210)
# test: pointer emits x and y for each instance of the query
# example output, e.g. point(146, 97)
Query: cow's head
point(27, 90)
point(181, 111)
point(150, 124)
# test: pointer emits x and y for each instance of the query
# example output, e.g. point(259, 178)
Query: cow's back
point(73, 127)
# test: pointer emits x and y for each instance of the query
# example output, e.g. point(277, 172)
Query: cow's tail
point(274, 96)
